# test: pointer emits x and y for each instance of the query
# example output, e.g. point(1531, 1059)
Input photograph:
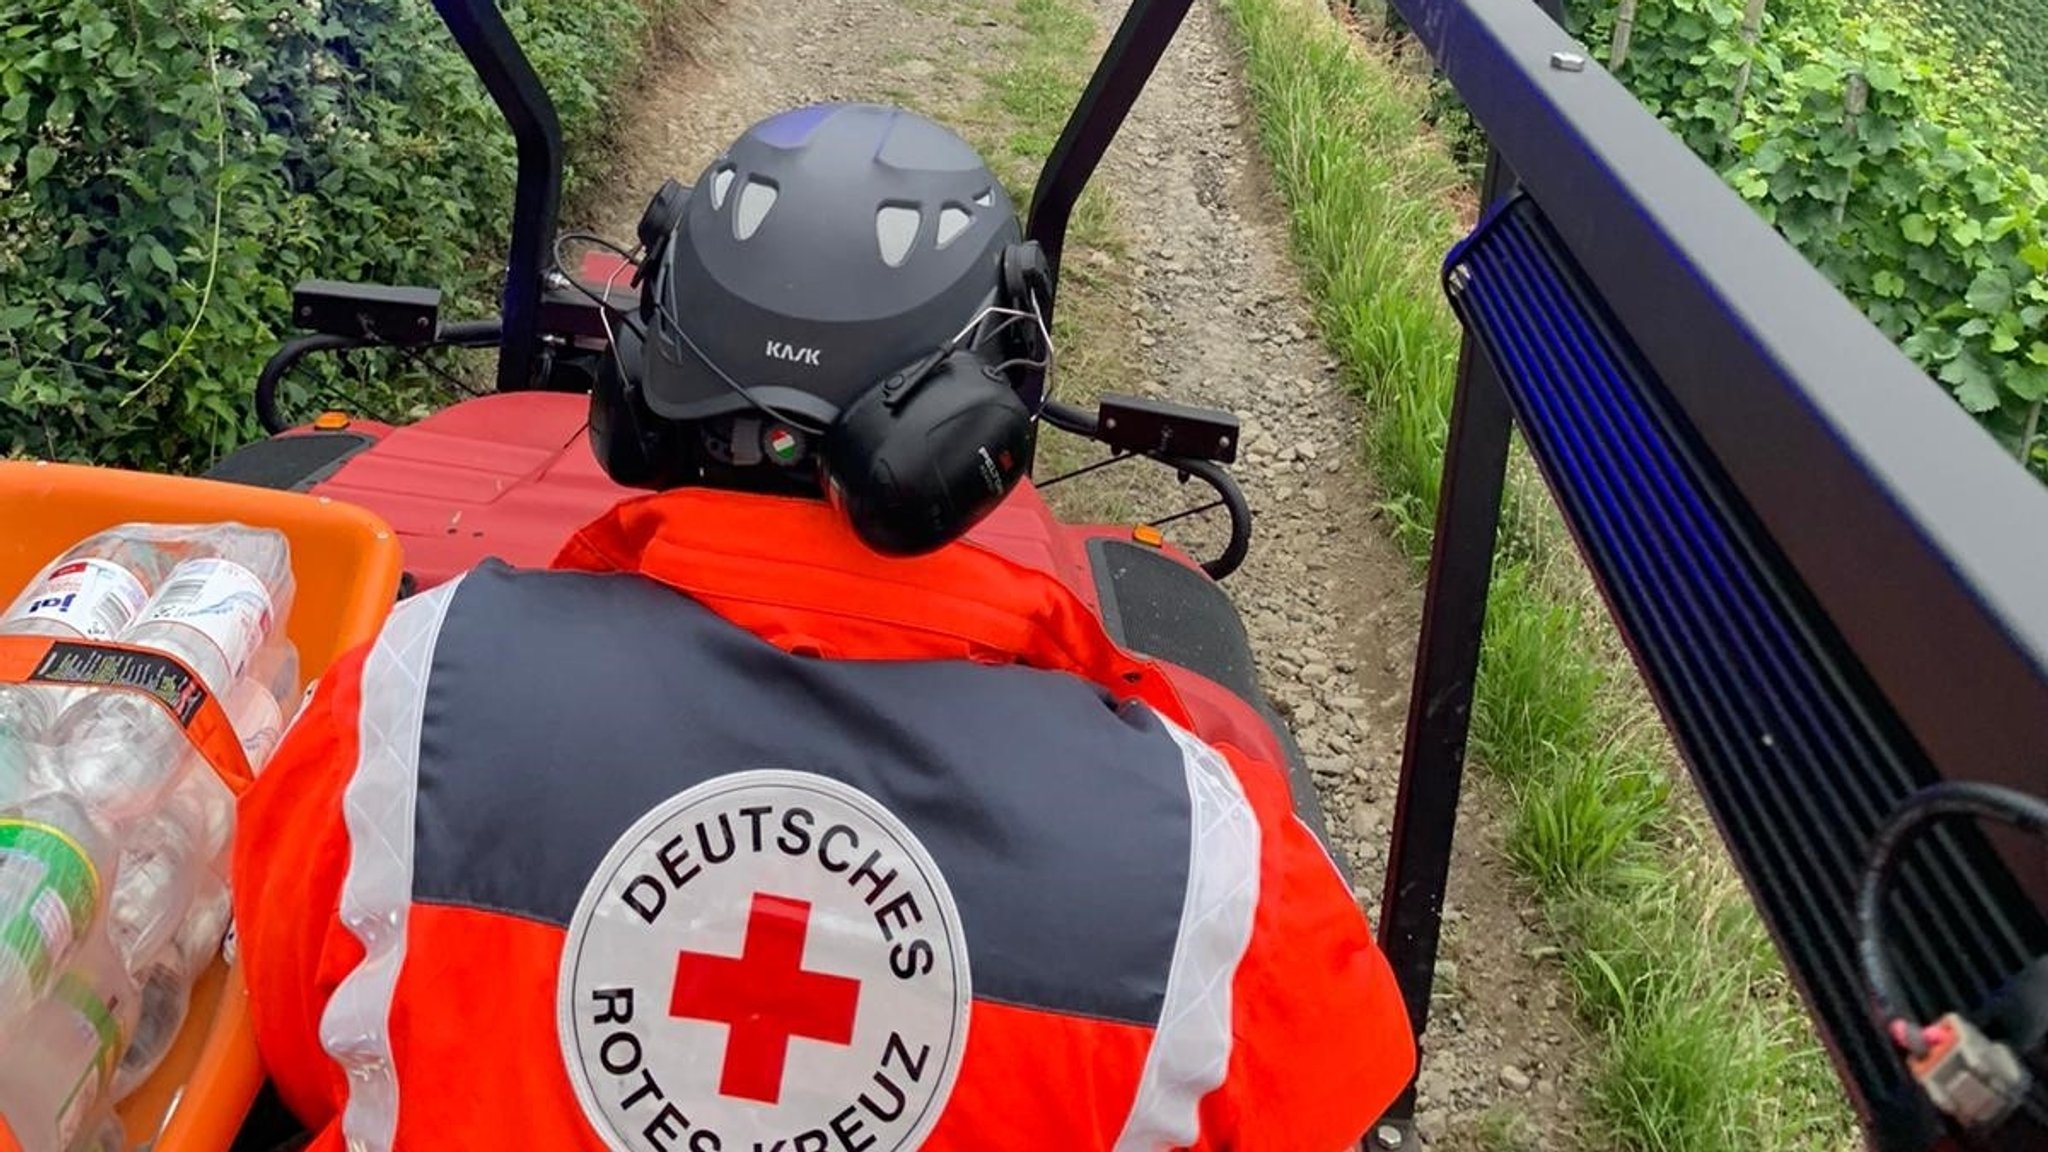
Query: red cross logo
point(764, 997)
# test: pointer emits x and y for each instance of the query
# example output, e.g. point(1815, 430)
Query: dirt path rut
point(1332, 607)
point(1214, 315)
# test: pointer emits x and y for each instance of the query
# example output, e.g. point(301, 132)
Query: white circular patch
point(769, 960)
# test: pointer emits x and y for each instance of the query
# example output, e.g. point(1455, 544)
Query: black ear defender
point(927, 453)
point(1027, 287)
point(1027, 275)
point(658, 223)
point(913, 463)
point(636, 448)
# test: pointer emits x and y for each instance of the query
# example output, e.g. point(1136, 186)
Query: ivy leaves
point(41, 158)
point(357, 145)
point(1991, 291)
point(1889, 162)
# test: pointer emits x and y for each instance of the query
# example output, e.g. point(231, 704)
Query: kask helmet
point(844, 303)
point(825, 249)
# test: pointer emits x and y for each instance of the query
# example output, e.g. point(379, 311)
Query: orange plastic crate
point(347, 564)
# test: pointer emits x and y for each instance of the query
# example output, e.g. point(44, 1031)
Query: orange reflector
point(1148, 535)
point(331, 421)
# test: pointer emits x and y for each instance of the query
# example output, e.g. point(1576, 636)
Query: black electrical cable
point(668, 323)
point(603, 303)
point(670, 330)
point(629, 256)
point(1939, 801)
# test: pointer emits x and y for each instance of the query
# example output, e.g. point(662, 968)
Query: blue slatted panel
point(1796, 756)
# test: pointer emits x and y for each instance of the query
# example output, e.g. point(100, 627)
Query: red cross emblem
point(764, 997)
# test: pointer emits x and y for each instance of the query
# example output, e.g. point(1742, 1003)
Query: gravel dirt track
point(1209, 311)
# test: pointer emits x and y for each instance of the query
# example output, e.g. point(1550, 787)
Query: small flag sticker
point(782, 445)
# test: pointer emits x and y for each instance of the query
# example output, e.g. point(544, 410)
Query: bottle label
point(258, 721)
point(95, 598)
point(48, 890)
point(223, 601)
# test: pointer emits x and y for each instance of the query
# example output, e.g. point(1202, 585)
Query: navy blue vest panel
point(562, 706)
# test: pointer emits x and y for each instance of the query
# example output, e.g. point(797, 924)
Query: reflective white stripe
point(377, 807)
point(1191, 1048)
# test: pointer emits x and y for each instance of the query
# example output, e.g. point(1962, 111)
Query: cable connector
point(1968, 1075)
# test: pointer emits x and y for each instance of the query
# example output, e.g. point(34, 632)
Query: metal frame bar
point(1851, 458)
point(1440, 702)
point(1890, 505)
point(1446, 673)
point(480, 31)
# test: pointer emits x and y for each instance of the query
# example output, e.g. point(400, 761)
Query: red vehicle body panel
point(511, 476)
point(508, 475)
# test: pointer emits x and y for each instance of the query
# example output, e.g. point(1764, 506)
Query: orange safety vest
point(727, 835)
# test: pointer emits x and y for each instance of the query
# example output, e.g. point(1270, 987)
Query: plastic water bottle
point(170, 852)
point(54, 866)
point(166, 986)
point(96, 588)
point(257, 705)
point(106, 1136)
point(214, 613)
point(92, 592)
point(166, 862)
point(16, 758)
point(57, 1066)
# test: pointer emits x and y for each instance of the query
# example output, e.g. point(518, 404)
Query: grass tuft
point(1702, 1047)
point(1504, 1129)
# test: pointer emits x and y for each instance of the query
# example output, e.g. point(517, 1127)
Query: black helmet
point(827, 248)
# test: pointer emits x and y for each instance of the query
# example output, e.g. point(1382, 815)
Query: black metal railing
point(1834, 584)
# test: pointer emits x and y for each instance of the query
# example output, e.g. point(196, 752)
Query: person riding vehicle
point(784, 812)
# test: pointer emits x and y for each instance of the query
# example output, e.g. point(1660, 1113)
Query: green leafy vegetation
point(1899, 165)
point(1702, 1048)
point(2007, 35)
point(169, 170)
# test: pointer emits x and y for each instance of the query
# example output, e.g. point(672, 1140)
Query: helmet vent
point(953, 220)
point(721, 182)
point(986, 198)
point(895, 231)
point(755, 200)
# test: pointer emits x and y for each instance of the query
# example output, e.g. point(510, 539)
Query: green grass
point(1700, 1046)
point(1506, 1129)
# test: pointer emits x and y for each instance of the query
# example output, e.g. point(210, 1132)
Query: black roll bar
point(480, 30)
